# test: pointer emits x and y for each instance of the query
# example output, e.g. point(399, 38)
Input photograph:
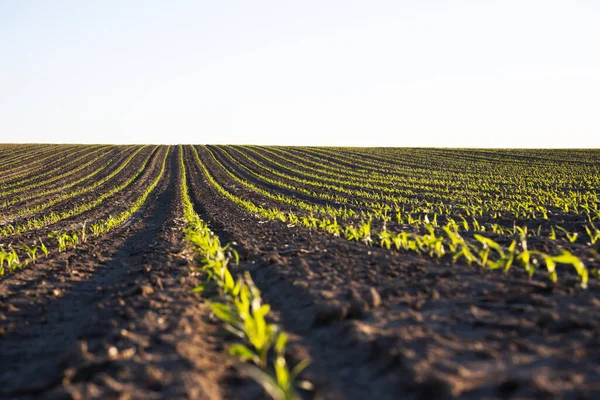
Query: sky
point(346, 73)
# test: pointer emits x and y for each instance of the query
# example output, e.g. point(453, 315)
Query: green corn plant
point(3, 256)
point(572, 237)
point(385, 238)
point(520, 230)
point(352, 233)
point(83, 233)
point(365, 232)
point(459, 247)
point(508, 259)
point(465, 224)
point(593, 233)
point(72, 239)
point(569, 259)
point(282, 384)
point(451, 225)
point(293, 218)
point(433, 244)
point(331, 226)
point(487, 245)
point(31, 252)
point(12, 260)
point(96, 229)
point(496, 228)
point(401, 240)
point(43, 248)
point(61, 240)
point(399, 218)
point(550, 266)
point(525, 257)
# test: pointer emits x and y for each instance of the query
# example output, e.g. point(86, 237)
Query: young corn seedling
point(385, 238)
point(550, 266)
point(43, 248)
point(83, 233)
point(281, 385)
point(61, 240)
point(432, 244)
point(593, 233)
point(12, 260)
point(96, 229)
point(526, 257)
point(459, 246)
point(571, 236)
point(3, 256)
point(31, 252)
point(365, 232)
point(569, 259)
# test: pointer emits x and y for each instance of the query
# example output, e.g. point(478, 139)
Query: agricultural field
point(251, 272)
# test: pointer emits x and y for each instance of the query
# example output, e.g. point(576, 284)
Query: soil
point(117, 318)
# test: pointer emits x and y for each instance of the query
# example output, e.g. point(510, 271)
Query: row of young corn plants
point(23, 159)
point(59, 174)
point(15, 257)
point(262, 351)
point(54, 216)
point(64, 194)
point(32, 171)
point(18, 155)
point(443, 242)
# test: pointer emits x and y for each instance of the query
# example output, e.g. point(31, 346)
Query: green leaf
point(223, 312)
point(301, 366)
point(199, 288)
point(267, 381)
point(281, 342)
point(243, 352)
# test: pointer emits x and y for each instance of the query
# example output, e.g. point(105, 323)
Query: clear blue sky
point(404, 73)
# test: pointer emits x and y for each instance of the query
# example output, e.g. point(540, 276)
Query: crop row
point(240, 307)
